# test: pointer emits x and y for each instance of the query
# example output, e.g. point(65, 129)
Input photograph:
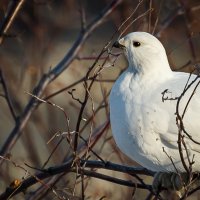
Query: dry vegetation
point(57, 66)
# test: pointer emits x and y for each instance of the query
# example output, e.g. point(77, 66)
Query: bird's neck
point(149, 68)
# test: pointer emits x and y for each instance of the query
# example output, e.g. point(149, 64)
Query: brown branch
point(179, 98)
point(166, 23)
point(7, 96)
point(116, 180)
point(157, 18)
point(186, 13)
point(182, 132)
point(97, 134)
point(13, 8)
point(67, 167)
point(193, 191)
point(52, 75)
point(42, 191)
point(193, 92)
point(129, 17)
point(89, 86)
point(82, 16)
point(150, 17)
point(83, 149)
point(136, 19)
point(87, 89)
point(76, 83)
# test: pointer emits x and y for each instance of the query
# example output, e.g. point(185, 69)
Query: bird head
point(142, 50)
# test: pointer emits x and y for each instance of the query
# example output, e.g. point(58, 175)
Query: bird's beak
point(117, 44)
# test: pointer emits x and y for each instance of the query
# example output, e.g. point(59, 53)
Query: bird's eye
point(136, 44)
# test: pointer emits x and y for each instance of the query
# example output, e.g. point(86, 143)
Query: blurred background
point(42, 33)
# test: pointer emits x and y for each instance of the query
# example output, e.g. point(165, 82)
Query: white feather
point(142, 124)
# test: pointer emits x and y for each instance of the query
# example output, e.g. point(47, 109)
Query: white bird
point(142, 124)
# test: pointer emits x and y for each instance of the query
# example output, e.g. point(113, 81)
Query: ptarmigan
point(142, 124)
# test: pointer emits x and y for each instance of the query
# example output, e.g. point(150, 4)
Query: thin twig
point(67, 167)
point(82, 16)
point(52, 75)
point(13, 9)
point(157, 18)
point(136, 19)
point(7, 96)
point(149, 22)
point(129, 17)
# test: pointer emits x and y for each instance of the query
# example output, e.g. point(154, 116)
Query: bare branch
point(67, 167)
point(52, 75)
point(137, 18)
point(13, 8)
point(7, 96)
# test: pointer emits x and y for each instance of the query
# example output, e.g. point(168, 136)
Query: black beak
point(118, 45)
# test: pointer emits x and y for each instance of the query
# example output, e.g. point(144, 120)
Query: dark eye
point(136, 44)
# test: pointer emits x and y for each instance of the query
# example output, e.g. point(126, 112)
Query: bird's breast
point(129, 116)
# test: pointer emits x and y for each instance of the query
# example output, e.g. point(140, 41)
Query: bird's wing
point(169, 131)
